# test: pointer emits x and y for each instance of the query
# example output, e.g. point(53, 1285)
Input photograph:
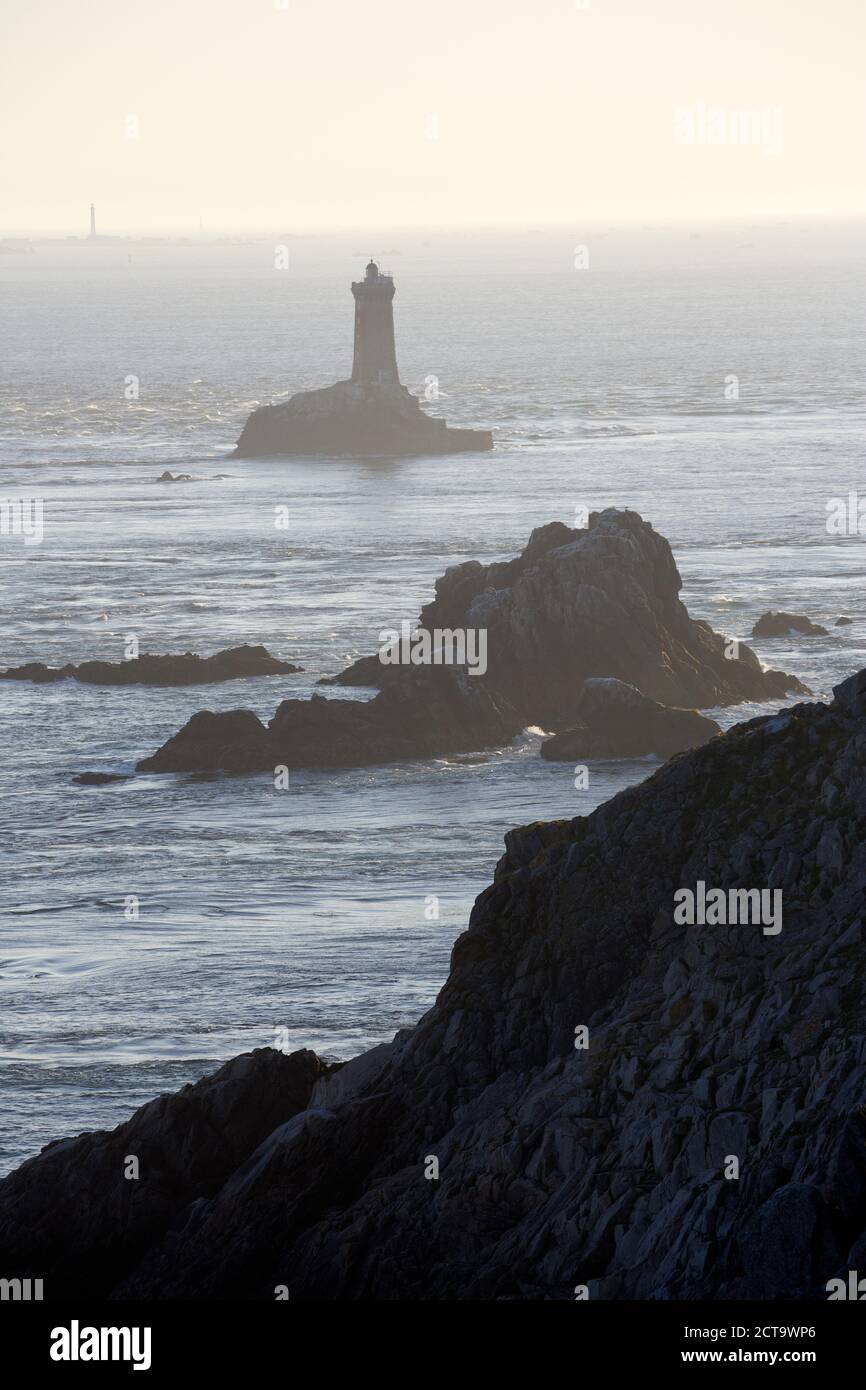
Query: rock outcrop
point(616, 721)
point(562, 1157)
point(603, 601)
point(235, 663)
point(574, 605)
point(429, 713)
point(354, 418)
point(774, 624)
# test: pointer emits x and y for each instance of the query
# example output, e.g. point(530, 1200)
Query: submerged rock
point(568, 1110)
point(773, 624)
point(99, 779)
point(615, 721)
point(169, 477)
point(235, 663)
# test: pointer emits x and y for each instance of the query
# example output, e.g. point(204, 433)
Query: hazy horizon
point(254, 233)
point(283, 116)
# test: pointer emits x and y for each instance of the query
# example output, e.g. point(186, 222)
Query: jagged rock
point(429, 713)
point(353, 418)
point(560, 1164)
point(843, 622)
point(603, 601)
point(573, 606)
point(71, 1217)
point(616, 721)
point(169, 477)
point(782, 624)
point(235, 663)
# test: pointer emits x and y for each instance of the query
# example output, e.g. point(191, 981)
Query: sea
point(709, 377)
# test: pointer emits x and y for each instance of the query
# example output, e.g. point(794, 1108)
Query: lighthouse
point(92, 221)
point(372, 415)
point(375, 358)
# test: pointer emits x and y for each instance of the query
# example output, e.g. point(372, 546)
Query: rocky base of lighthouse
point(349, 419)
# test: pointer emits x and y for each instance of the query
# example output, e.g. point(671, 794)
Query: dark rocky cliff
point(559, 1166)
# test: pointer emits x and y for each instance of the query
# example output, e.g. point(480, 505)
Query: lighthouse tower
point(92, 221)
point(375, 358)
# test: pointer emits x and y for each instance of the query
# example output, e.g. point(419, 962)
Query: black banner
point(235, 1338)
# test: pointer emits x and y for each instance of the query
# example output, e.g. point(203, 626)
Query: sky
point(311, 115)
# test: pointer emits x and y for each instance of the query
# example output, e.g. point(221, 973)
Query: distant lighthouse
point(372, 415)
point(375, 358)
point(93, 220)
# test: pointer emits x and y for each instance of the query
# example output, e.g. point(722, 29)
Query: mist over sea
point(308, 909)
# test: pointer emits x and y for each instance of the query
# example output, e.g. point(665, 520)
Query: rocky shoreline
point(568, 1111)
